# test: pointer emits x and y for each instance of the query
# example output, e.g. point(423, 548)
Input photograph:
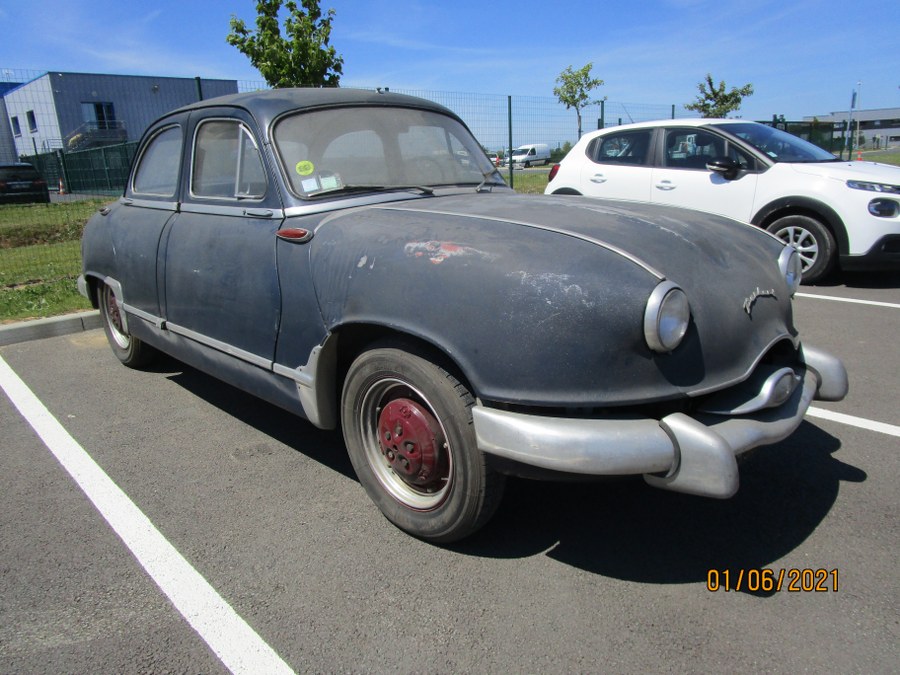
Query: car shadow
point(630, 531)
point(325, 447)
point(873, 280)
point(619, 528)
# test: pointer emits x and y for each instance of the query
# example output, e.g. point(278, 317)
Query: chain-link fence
point(80, 131)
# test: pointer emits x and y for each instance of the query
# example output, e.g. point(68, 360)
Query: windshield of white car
point(330, 151)
point(777, 145)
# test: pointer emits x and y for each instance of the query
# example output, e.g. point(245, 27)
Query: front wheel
point(128, 349)
point(813, 241)
point(408, 427)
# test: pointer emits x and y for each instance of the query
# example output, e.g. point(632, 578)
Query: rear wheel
point(813, 241)
point(128, 349)
point(408, 428)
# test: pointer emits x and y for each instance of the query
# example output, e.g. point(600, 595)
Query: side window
point(157, 170)
point(226, 163)
point(16, 127)
point(628, 147)
point(692, 148)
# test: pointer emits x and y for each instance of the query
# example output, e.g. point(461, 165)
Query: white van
point(530, 155)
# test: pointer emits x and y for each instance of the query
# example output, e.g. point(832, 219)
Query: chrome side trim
point(558, 230)
point(146, 316)
point(316, 384)
point(224, 347)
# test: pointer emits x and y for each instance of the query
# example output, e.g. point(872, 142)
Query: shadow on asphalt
point(858, 280)
point(616, 528)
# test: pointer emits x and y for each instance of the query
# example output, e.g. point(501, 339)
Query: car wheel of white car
point(408, 427)
point(128, 349)
point(813, 241)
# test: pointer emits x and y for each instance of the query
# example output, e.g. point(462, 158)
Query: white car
point(833, 212)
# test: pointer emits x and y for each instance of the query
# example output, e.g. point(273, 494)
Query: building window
point(16, 127)
point(98, 115)
point(32, 122)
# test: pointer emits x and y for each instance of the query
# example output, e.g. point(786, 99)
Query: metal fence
point(39, 242)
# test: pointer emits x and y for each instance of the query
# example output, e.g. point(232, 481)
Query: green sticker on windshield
point(304, 168)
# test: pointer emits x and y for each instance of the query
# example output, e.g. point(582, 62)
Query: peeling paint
point(551, 287)
point(439, 251)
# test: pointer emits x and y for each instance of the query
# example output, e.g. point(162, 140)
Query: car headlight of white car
point(666, 317)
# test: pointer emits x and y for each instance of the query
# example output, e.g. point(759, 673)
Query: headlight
point(873, 187)
point(791, 267)
point(666, 317)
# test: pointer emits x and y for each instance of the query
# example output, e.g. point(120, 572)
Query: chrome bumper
point(692, 454)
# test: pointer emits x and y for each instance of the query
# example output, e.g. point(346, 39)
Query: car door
point(221, 282)
point(617, 166)
point(682, 179)
point(149, 204)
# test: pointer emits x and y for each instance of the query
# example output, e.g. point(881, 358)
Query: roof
point(268, 104)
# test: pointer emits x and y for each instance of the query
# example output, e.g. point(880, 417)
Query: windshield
point(777, 145)
point(351, 149)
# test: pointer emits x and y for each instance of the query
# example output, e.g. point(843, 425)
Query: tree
point(301, 59)
point(715, 101)
point(574, 87)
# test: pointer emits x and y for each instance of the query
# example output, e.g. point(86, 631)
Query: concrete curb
point(44, 328)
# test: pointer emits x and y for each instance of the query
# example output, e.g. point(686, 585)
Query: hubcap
point(406, 445)
point(409, 437)
point(802, 240)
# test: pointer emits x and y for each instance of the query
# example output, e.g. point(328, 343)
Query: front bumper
point(693, 454)
point(883, 256)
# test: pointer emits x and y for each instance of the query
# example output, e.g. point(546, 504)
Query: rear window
point(18, 173)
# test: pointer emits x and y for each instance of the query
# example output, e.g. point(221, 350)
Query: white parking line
point(239, 648)
point(853, 300)
point(850, 420)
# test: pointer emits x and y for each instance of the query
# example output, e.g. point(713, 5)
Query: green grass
point(883, 156)
point(528, 182)
point(40, 258)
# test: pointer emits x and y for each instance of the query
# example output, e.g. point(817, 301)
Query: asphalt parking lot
point(249, 545)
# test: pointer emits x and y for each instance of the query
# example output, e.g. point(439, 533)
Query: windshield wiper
point(424, 189)
point(487, 174)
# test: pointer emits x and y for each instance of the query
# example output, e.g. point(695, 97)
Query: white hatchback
point(833, 212)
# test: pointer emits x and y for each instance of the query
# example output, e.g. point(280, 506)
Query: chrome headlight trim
point(666, 317)
point(791, 268)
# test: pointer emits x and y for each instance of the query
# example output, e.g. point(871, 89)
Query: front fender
point(530, 317)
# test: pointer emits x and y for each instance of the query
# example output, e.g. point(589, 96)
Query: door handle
point(665, 185)
point(598, 178)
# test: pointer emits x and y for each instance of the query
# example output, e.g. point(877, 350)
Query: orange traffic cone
point(859, 156)
point(62, 188)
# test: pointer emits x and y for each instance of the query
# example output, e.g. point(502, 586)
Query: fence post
point(105, 168)
point(673, 111)
point(509, 121)
point(601, 123)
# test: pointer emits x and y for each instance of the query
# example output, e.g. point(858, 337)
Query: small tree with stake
point(301, 59)
point(714, 101)
point(573, 89)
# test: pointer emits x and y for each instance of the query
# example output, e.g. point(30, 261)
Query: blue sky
point(803, 58)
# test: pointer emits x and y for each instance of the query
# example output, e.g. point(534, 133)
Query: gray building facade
point(74, 111)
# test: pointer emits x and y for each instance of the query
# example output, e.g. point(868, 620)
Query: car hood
point(668, 242)
point(871, 171)
point(542, 299)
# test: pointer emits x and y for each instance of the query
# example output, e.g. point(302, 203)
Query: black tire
point(813, 241)
point(408, 427)
point(131, 351)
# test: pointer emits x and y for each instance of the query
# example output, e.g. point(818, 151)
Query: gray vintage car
point(355, 258)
